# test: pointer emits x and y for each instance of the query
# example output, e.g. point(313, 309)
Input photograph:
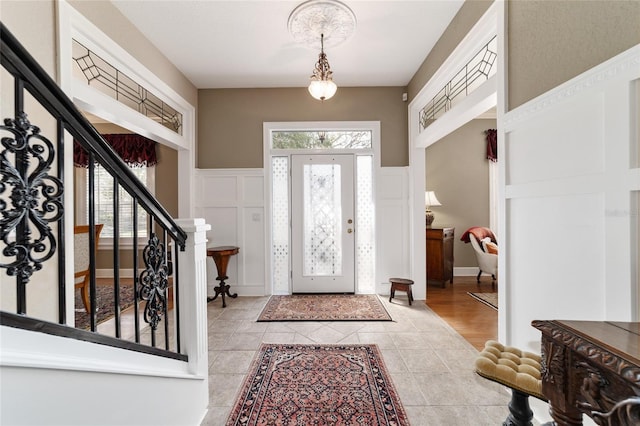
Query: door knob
point(349, 231)
point(350, 221)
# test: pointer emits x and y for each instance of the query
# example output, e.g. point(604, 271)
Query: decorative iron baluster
point(166, 305)
point(36, 198)
point(116, 253)
point(136, 282)
point(154, 281)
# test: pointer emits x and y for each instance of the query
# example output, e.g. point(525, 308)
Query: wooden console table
point(439, 247)
point(591, 367)
point(221, 257)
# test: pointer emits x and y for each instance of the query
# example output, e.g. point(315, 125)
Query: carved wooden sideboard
point(593, 368)
point(439, 248)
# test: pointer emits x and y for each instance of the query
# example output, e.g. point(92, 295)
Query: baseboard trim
point(108, 273)
point(252, 290)
point(465, 271)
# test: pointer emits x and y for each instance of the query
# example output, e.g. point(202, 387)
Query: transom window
point(321, 139)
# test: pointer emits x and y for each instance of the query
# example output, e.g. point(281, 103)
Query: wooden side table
point(221, 257)
point(591, 367)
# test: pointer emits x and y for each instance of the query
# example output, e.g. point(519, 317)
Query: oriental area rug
point(489, 299)
point(105, 304)
point(324, 307)
point(317, 385)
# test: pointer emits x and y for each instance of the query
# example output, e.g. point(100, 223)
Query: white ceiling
point(242, 44)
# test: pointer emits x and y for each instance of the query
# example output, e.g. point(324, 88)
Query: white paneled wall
point(571, 180)
point(392, 229)
point(232, 201)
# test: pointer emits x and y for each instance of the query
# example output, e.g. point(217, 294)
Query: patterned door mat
point(489, 299)
point(324, 307)
point(318, 385)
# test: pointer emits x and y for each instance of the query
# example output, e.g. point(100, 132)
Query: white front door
point(322, 221)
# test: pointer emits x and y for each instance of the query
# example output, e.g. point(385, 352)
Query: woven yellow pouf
point(516, 369)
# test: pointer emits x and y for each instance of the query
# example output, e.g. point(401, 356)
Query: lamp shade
point(430, 199)
point(322, 89)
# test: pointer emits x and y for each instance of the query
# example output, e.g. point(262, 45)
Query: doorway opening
point(320, 185)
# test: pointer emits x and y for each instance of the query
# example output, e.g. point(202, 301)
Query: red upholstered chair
point(485, 247)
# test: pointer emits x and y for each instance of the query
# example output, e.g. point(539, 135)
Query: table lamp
point(430, 200)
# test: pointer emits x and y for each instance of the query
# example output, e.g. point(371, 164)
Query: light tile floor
point(430, 364)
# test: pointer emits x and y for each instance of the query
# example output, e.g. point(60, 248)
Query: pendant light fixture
point(322, 86)
point(330, 22)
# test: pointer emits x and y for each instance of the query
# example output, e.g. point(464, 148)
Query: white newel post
point(192, 276)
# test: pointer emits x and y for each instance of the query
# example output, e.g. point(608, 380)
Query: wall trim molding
point(593, 79)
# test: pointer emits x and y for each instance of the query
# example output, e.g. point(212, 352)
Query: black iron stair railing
point(32, 210)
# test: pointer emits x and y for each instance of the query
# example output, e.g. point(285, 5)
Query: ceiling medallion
point(329, 22)
point(314, 18)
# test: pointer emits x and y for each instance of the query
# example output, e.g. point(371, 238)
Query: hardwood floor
point(475, 321)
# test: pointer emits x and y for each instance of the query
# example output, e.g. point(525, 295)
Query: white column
point(192, 291)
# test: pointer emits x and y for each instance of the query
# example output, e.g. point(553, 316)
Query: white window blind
point(103, 198)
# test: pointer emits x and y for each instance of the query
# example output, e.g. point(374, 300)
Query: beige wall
point(551, 42)
point(167, 179)
point(41, 16)
point(230, 120)
point(458, 171)
point(461, 24)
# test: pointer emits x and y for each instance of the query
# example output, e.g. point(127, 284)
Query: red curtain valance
point(135, 150)
point(492, 144)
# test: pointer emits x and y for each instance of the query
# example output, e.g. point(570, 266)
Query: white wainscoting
point(392, 229)
point(232, 202)
point(570, 175)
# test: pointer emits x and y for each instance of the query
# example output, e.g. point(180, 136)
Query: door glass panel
point(322, 220)
point(365, 220)
point(280, 224)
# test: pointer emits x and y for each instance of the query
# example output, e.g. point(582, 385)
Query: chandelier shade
point(322, 90)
